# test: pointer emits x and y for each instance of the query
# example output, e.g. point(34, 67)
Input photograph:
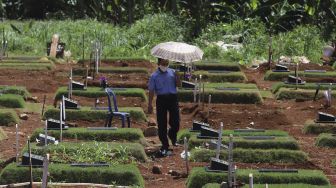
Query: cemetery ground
point(271, 114)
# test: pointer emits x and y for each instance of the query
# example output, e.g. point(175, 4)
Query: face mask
point(163, 68)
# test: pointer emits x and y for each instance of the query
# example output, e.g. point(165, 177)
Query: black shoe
point(165, 153)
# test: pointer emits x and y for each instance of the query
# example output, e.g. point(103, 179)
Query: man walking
point(163, 83)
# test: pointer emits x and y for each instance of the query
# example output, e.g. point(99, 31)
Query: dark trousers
point(165, 104)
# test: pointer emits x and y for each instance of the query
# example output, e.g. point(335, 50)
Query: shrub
point(111, 60)
point(280, 76)
point(87, 114)
point(94, 92)
point(26, 66)
point(129, 134)
point(8, 117)
point(125, 175)
point(199, 177)
point(299, 94)
point(17, 90)
point(308, 86)
point(216, 185)
point(253, 155)
point(317, 128)
point(11, 101)
point(90, 152)
point(120, 70)
point(326, 140)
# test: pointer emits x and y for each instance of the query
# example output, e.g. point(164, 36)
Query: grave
point(259, 137)
point(77, 85)
point(197, 126)
point(101, 128)
point(36, 160)
point(189, 85)
point(217, 165)
point(89, 164)
point(280, 68)
point(70, 104)
point(50, 139)
point(53, 124)
point(227, 88)
point(219, 71)
point(324, 117)
point(292, 80)
point(207, 132)
point(316, 71)
point(59, 49)
point(278, 170)
point(249, 130)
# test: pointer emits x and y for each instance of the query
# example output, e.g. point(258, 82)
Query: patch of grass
point(239, 142)
point(11, 101)
point(126, 175)
point(212, 65)
point(326, 140)
point(94, 92)
point(3, 135)
point(33, 107)
point(128, 134)
point(265, 94)
point(253, 155)
point(26, 66)
point(8, 117)
point(308, 86)
point(199, 177)
point(219, 77)
point(280, 76)
point(230, 85)
point(316, 128)
point(85, 113)
point(301, 94)
point(16, 90)
point(115, 59)
point(120, 70)
point(221, 96)
point(216, 185)
point(186, 133)
point(90, 152)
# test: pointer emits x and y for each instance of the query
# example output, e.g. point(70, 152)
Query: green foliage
point(230, 85)
point(111, 60)
point(317, 128)
point(95, 92)
point(326, 140)
point(219, 77)
point(300, 94)
point(11, 101)
point(199, 177)
point(129, 134)
point(8, 117)
point(126, 175)
point(221, 96)
point(240, 142)
point(311, 86)
point(85, 113)
point(216, 185)
point(253, 155)
point(120, 70)
point(25, 66)
point(212, 65)
point(17, 90)
point(279, 76)
point(92, 152)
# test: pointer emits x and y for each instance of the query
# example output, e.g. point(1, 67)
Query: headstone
point(218, 165)
point(289, 170)
point(324, 117)
point(70, 104)
point(280, 68)
point(292, 80)
point(49, 139)
point(189, 85)
point(197, 125)
point(77, 85)
point(207, 132)
point(23, 116)
point(55, 124)
point(36, 160)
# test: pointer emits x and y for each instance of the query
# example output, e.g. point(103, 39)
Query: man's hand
point(150, 108)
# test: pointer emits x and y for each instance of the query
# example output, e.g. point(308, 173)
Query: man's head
point(163, 64)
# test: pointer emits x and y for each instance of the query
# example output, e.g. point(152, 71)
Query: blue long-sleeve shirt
point(163, 83)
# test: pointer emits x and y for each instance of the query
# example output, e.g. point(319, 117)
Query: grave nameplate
point(70, 104)
point(219, 71)
point(54, 124)
point(280, 68)
point(50, 139)
point(89, 165)
point(213, 145)
point(36, 160)
point(316, 71)
point(217, 165)
point(102, 128)
point(189, 85)
point(207, 132)
point(77, 85)
point(324, 117)
point(259, 137)
point(278, 170)
point(249, 130)
point(197, 125)
point(227, 88)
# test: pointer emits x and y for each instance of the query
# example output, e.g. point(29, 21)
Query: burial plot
point(271, 170)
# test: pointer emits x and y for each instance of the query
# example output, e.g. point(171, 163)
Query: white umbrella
point(178, 52)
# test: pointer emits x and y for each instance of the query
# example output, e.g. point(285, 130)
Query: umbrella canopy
point(178, 52)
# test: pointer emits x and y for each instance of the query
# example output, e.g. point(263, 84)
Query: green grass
point(115, 59)
point(85, 113)
point(118, 70)
point(33, 107)
point(279, 76)
point(8, 117)
point(26, 66)
point(309, 86)
point(316, 128)
point(230, 85)
point(186, 133)
point(90, 152)
point(199, 177)
point(128, 134)
point(253, 155)
point(17, 90)
point(216, 185)
point(212, 65)
point(11, 101)
point(219, 77)
point(125, 175)
point(326, 140)
point(94, 92)
point(245, 96)
point(301, 94)
point(3, 135)
point(239, 142)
